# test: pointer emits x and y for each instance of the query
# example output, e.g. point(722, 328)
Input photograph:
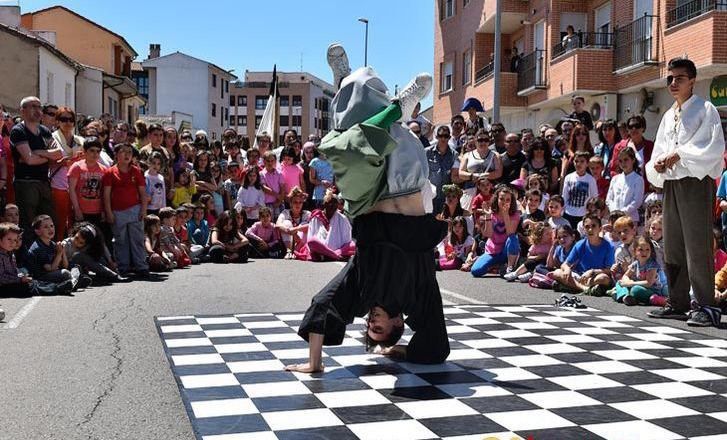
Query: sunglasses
point(66, 119)
point(634, 126)
point(678, 78)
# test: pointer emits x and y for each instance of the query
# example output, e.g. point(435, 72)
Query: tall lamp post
point(366, 40)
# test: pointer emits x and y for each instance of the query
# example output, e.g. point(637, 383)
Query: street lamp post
point(366, 40)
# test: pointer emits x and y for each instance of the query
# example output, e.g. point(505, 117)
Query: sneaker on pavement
point(524, 278)
point(338, 60)
point(2, 314)
point(510, 276)
point(630, 300)
point(667, 312)
point(84, 281)
point(657, 300)
point(417, 89)
point(705, 316)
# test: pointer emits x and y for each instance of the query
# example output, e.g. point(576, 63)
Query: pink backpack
point(540, 281)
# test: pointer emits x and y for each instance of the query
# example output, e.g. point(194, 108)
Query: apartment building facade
point(617, 58)
point(178, 83)
point(304, 104)
point(93, 45)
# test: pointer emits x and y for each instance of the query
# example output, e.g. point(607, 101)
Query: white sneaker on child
point(524, 278)
point(510, 276)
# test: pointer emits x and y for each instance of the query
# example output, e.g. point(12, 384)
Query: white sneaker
point(510, 276)
point(524, 278)
point(338, 60)
point(412, 93)
point(2, 314)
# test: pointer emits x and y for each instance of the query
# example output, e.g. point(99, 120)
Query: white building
point(181, 83)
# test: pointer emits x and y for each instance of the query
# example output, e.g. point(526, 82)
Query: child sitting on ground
point(641, 280)
point(46, 259)
point(86, 248)
point(250, 197)
point(564, 239)
point(625, 229)
point(265, 237)
point(588, 266)
point(11, 214)
point(159, 261)
point(455, 246)
point(198, 229)
point(540, 236)
point(12, 281)
point(531, 214)
point(478, 245)
point(168, 241)
point(503, 245)
point(228, 245)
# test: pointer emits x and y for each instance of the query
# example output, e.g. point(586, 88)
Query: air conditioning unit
point(603, 106)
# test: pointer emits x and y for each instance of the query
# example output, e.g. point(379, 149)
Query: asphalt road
point(91, 366)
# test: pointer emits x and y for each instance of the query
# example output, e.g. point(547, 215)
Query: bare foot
point(305, 368)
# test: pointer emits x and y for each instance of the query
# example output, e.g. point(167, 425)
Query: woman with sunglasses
point(636, 125)
point(540, 162)
point(480, 162)
point(71, 146)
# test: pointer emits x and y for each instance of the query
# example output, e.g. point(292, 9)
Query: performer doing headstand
point(382, 173)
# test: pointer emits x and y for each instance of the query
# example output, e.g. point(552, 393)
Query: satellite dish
point(596, 111)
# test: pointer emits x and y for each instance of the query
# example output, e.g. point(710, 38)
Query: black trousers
point(688, 239)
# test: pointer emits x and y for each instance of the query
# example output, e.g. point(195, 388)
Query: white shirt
point(250, 197)
point(576, 192)
point(626, 193)
point(696, 135)
point(338, 235)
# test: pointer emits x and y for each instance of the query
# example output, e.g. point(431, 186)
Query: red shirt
point(602, 183)
point(88, 188)
point(124, 186)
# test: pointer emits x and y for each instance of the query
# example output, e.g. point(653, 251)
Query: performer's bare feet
point(305, 368)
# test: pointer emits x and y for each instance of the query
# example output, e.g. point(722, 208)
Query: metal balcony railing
point(531, 72)
point(693, 9)
point(597, 40)
point(633, 43)
point(484, 72)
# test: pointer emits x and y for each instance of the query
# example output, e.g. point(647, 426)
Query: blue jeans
point(129, 240)
point(484, 262)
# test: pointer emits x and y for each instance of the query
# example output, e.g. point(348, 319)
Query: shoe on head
point(338, 61)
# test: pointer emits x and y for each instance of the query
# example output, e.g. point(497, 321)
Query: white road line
point(22, 313)
point(447, 302)
point(460, 296)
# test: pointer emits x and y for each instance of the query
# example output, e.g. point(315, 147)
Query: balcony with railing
point(634, 44)
point(573, 60)
point(583, 40)
point(484, 86)
point(531, 73)
point(693, 9)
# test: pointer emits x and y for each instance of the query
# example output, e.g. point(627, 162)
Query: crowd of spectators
point(89, 201)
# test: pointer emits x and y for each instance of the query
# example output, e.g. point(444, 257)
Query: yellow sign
point(718, 91)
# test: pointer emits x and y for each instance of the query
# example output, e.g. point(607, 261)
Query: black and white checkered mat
point(530, 372)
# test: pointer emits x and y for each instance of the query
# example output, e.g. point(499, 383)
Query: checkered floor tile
point(515, 372)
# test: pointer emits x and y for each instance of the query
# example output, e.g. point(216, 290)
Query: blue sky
point(255, 34)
